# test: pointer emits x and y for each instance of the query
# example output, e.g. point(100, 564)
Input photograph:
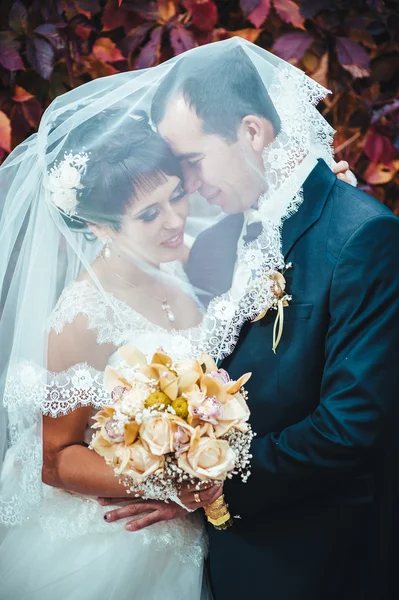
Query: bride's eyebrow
point(188, 155)
point(145, 210)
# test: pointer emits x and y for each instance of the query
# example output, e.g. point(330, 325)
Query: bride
point(120, 192)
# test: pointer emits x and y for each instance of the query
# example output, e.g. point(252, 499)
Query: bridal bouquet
point(170, 424)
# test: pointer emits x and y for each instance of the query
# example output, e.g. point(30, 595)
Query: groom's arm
point(360, 385)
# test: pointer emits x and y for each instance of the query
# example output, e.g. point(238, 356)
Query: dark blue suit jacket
point(316, 513)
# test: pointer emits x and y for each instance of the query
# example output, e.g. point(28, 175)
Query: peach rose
point(137, 462)
point(235, 414)
point(207, 458)
point(157, 434)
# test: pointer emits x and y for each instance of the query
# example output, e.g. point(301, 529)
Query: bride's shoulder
point(79, 298)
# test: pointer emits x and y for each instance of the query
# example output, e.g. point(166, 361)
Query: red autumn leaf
point(181, 39)
point(40, 55)
point(5, 132)
point(249, 34)
point(9, 55)
point(113, 17)
point(204, 15)
point(83, 32)
point(135, 38)
point(50, 32)
point(310, 8)
point(247, 6)
point(289, 12)
point(379, 148)
point(21, 95)
point(293, 45)
point(32, 111)
point(353, 57)
point(379, 174)
point(321, 73)
point(106, 50)
point(88, 7)
point(120, 2)
point(260, 13)
point(98, 68)
point(150, 53)
point(18, 17)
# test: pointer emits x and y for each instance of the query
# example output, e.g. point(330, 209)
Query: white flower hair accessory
point(64, 181)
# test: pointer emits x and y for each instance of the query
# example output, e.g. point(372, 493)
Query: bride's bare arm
point(67, 461)
point(69, 464)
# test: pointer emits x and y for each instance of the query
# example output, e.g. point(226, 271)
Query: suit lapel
point(315, 191)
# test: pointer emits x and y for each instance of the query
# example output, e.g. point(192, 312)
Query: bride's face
point(153, 225)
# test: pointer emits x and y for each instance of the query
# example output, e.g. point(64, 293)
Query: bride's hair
point(131, 157)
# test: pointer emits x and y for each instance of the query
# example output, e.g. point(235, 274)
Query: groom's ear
point(258, 131)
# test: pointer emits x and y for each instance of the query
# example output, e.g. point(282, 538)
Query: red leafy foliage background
point(350, 46)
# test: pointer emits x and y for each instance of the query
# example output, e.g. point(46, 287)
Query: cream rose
point(235, 413)
point(157, 434)
point(137, 462)
point(207, 458)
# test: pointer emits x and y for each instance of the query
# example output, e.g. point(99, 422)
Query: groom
point(316, 513)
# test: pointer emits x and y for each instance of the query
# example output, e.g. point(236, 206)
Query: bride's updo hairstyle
point(132, 158)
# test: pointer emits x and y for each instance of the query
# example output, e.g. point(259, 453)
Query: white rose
point(69, 177)
point(66, 199)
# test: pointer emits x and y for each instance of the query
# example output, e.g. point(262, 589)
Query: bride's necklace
point(163, 301)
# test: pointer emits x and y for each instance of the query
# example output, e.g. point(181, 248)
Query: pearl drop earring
point(107, 249)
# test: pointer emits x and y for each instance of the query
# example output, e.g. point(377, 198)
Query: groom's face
point(227, 174)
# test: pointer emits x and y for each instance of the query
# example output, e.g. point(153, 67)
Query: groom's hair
point(222, 87)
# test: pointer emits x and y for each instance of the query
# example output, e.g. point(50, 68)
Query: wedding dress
point(69, 552)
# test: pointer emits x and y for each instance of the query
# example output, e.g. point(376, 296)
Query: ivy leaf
point(320, 75)
point(88, 7)
point(379, 174)
point(113, 17)
point(247, 6)
point(32, 111)
point(5, 132)
point(204, 15)
point(310, 8)
point(353, 57)
point(135, 38)
point(9, 55)
point(106, 50)
point(40, 55)
point(293, 45)
point(379, 148)
point(260, 13)
point(181, 39)
point(21, 95)
point(249, 34)
point(150, 53)
point(289, 12)
point(18, 18)
point(50, 32)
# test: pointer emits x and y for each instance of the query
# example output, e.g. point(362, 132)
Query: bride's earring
point(107, 249)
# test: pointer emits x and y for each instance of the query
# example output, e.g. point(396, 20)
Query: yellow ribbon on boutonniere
point(281, 299)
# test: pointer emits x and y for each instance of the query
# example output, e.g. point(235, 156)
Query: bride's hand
point(206, 495)
point(146, 512)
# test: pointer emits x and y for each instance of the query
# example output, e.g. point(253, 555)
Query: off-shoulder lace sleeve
point(54, 394)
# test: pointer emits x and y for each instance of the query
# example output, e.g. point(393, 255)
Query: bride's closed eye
point(151, 213)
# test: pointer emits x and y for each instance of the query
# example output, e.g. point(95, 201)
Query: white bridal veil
point(75, 201)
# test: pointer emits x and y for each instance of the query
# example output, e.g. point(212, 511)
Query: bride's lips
point(175, 241)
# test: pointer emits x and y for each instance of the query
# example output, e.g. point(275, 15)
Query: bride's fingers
point(130, 510)
point(340, 167)
point(145, 521)
point(205, 497)
point(109, 501)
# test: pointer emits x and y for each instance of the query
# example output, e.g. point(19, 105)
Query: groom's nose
point(192, 180)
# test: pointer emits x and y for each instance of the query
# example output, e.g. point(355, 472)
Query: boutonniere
point(281, 299)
